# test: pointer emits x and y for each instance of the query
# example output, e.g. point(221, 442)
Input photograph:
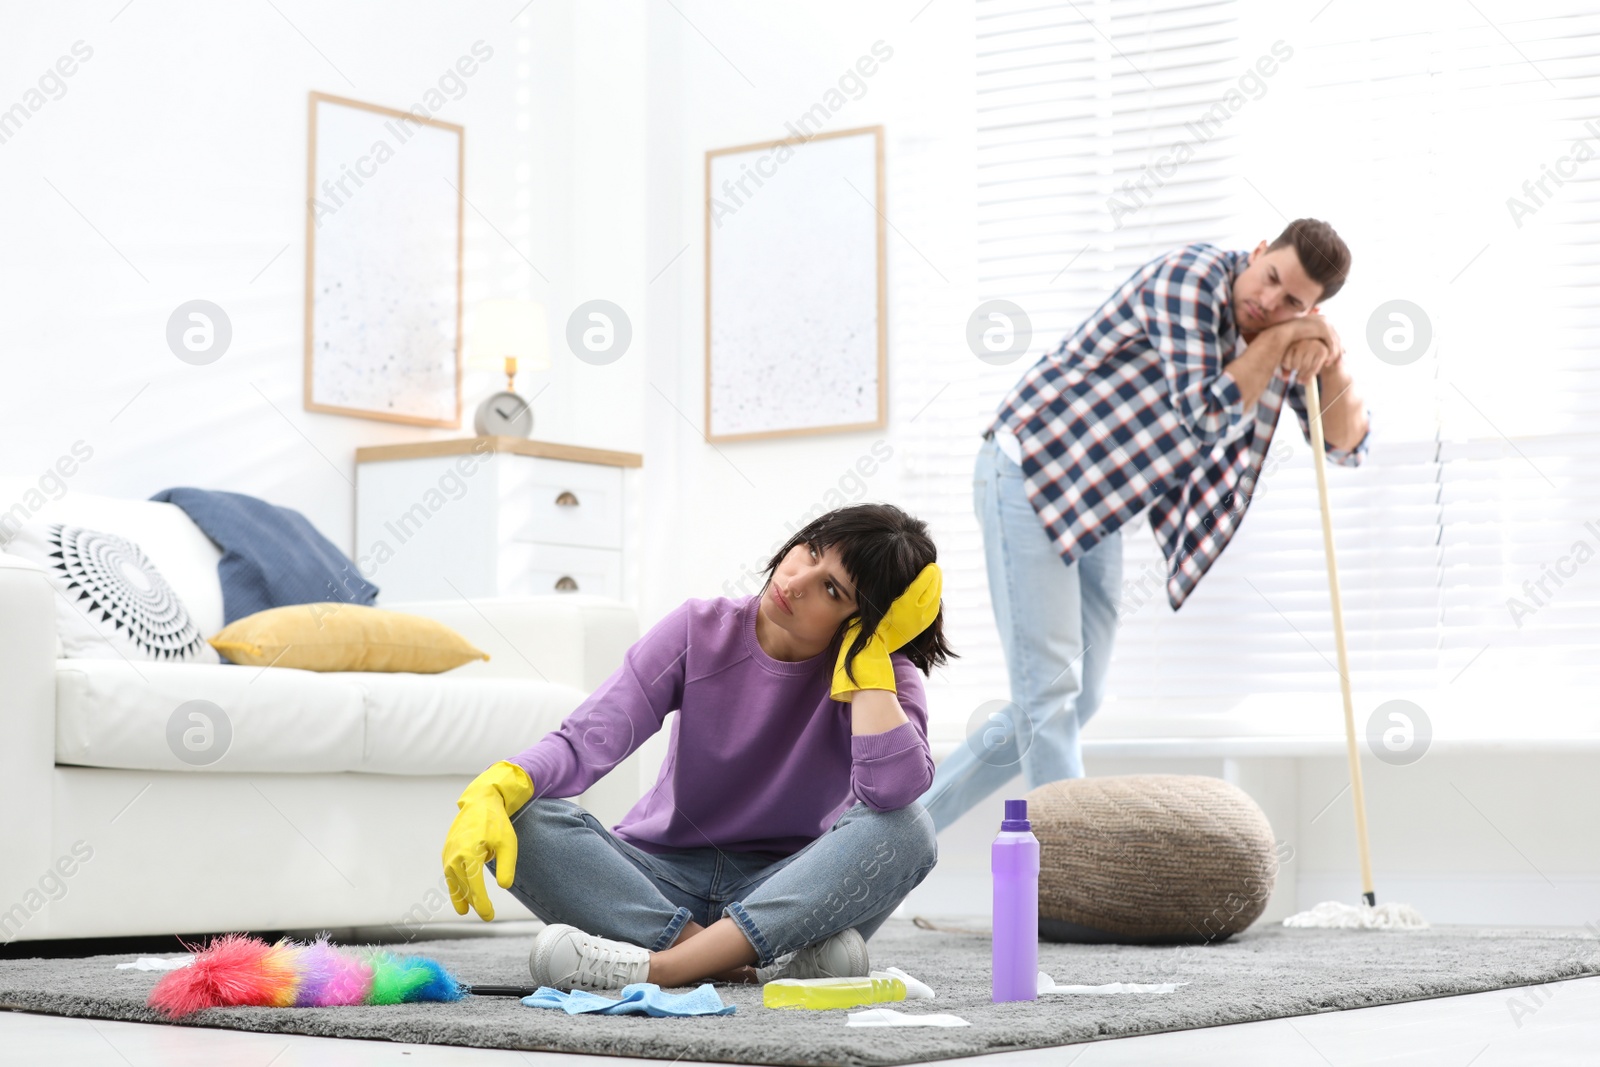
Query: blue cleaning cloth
point(640, 998)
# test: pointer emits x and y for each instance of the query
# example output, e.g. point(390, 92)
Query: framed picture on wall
point(383, 263)
point(796, 287)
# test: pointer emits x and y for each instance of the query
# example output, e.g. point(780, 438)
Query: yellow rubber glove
point(482, 831)
point(910, 614)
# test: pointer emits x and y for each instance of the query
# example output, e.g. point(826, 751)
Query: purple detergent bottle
point(1014, 861)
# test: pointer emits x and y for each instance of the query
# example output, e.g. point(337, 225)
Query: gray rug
point(1266, 972)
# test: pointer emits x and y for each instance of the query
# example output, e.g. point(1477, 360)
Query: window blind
point(1520, 392)
point(1074, 101)
point(1410, 128)
point(1334, 134)
point(1437, 115)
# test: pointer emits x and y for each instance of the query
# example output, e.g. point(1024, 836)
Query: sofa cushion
point(345, 637)
point(271, 555)
point(143, 717)
point(186, 557)
point(111, 601)
point(439, 723)
point(164, 717)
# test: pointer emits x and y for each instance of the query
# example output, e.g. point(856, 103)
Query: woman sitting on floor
point(783, 828)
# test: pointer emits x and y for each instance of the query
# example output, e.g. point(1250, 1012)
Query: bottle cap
point(1016, 816)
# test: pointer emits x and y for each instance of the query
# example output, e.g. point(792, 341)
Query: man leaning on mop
point(1167, 397)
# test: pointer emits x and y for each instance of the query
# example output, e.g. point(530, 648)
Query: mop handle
point(1357, 794)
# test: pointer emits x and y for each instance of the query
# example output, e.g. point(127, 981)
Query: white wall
point(736, 81)
point(173, 167)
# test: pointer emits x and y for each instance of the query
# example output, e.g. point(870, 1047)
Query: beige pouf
point(1150, 859)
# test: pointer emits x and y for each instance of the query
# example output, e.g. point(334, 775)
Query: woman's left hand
point(911, 613)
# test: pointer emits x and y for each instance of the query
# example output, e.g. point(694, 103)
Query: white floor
point(1554, 1024)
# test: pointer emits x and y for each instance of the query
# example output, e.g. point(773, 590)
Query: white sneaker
point(567, 958)
point(844, 955)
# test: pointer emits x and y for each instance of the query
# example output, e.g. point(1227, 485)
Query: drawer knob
point(566, 584)
point(566, 499)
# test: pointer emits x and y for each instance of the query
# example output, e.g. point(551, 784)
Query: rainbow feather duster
point(240, 971)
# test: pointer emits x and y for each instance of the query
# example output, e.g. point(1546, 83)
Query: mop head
point(1332, 915)
point(239, 971)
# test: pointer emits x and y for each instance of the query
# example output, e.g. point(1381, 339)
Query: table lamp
point(505, 333)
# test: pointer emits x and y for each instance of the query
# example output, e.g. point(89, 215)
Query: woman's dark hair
point(884, 549)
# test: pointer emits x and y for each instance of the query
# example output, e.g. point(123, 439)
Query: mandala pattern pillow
point(112, 602)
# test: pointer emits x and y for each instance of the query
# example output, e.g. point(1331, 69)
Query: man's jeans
point(571, 869)
point(1057, 624)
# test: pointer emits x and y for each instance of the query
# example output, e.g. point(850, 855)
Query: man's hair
point(1323, 254)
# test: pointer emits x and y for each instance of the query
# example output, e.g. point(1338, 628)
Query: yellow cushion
point(344, 637)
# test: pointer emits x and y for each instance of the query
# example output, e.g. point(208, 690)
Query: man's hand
point(1319, 351)
point(1307, 357)
point(1307, 345)
point(1320, 328)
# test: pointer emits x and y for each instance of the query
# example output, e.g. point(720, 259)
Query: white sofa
point(330, 804)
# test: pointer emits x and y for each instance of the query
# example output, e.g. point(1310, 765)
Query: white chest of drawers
point(494, 516)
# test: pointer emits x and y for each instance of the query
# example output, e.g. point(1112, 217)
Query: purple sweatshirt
point(761, 757)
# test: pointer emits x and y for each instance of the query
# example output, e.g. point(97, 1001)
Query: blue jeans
point(1057, 624)
point(571, 869)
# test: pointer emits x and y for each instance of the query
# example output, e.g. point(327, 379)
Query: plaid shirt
point(1133, 410)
